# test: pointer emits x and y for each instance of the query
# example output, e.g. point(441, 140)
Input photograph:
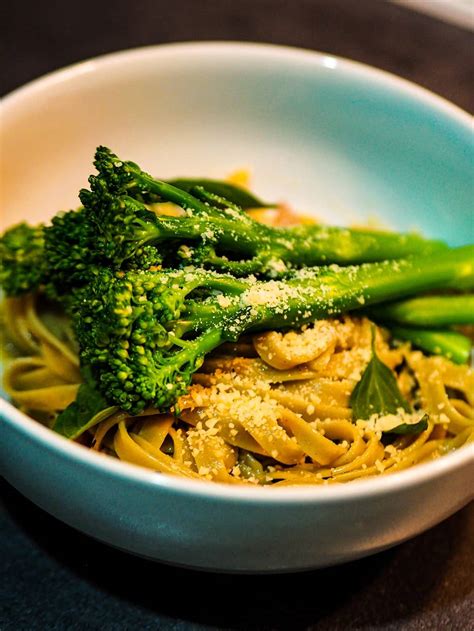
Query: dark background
point(38, 37)
point(55, 578)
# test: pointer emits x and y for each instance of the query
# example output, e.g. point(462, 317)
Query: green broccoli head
point(123, 227)
point(111, 168)
point(124, 325)
point(22, 259)
point(70, 251)
point(122, 177)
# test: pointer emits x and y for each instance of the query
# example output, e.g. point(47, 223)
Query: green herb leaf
point(233, 193)
point(413, 428)
point(87, 410)
point(377, 391)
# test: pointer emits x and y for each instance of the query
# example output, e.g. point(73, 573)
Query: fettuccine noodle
point(272, 409)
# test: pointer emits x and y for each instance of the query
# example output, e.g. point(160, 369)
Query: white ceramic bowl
point(335, 138)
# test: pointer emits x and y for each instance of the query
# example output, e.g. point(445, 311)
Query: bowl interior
point(336, 139)
point(333, 138)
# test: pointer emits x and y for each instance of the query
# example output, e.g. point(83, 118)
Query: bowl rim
point(366, 487)
point(298, 494)
point(262, 49)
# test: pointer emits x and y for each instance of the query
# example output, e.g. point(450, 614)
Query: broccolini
point(116, 228)
point(150, 295)
point(216, 233)
point(144, 333)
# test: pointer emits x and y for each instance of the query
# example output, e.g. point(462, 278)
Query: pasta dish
point(190, 328)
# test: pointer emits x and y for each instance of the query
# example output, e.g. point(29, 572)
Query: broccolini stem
point(232, 192)
point(166, 191)
point(329, 291)
point(230, 230)
point(322, 292)
point(335, 290)
point(427, 311)
point(313, 245)
point(451, 344)
point(298, 246)
point(310, 295)
point(271, 250)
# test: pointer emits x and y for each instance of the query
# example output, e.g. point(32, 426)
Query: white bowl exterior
point(213, 527)
point(161, 108)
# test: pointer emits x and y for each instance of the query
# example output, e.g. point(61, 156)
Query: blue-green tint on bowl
point(412, 159)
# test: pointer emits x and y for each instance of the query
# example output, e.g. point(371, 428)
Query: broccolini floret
point(124, 325)
point(76, 250)
point(69, 251)
point(60, 257)
point(22, 261)
point(56, 257)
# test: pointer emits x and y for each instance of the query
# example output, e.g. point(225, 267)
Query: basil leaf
point(233, 193)
point(87, 410)
point(377, 391)
point(413, 428)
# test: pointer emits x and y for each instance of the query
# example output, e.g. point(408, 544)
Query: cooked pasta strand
point(274, 410)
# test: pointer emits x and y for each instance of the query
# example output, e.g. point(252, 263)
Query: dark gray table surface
point(55, 578)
